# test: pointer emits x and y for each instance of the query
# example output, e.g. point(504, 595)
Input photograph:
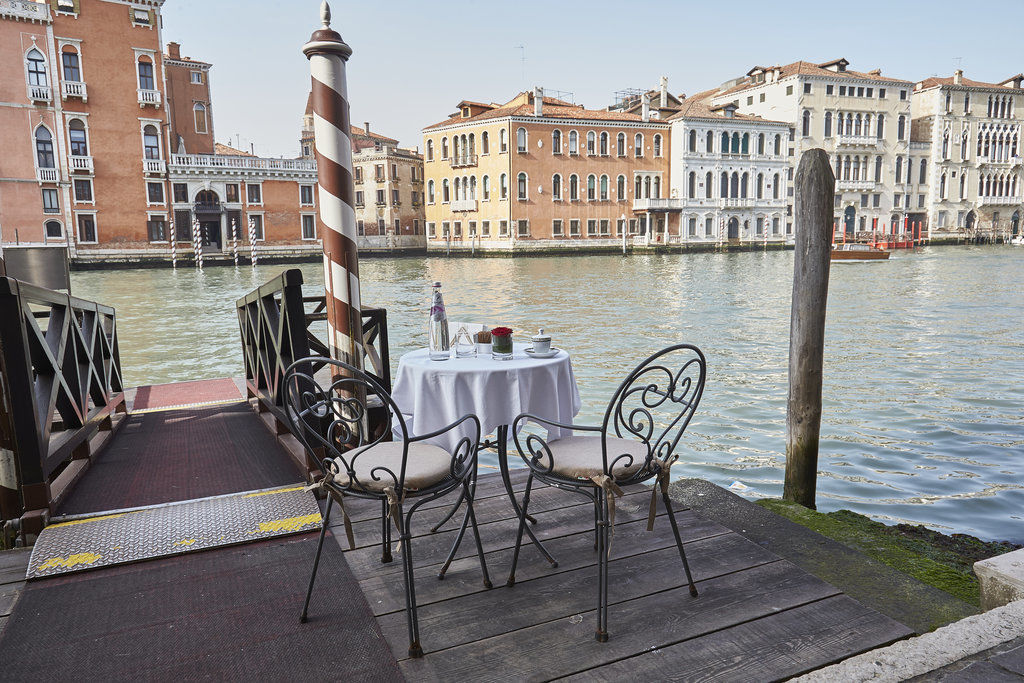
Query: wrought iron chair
point(636, 442)
point(331, 423)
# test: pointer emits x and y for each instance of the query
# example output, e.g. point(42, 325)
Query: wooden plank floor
point(758, 617)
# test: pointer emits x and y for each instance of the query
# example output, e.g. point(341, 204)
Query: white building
point(971, 133)
point(728, 174)
point(861, 119)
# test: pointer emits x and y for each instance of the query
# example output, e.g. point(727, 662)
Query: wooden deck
point(758, 617)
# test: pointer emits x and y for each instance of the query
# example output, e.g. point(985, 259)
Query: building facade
point(969, 134)
point(541, 173)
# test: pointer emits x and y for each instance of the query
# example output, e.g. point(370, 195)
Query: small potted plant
point(501, 343)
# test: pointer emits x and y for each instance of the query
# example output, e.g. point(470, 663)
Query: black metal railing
point(61, 372)
point(275, 329)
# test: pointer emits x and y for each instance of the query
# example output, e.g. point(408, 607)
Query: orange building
point(542, 173)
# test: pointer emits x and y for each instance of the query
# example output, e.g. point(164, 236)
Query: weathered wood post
point(328, 54)
point(815, 193)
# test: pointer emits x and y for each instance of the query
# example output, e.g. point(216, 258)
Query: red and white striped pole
point(328, 54)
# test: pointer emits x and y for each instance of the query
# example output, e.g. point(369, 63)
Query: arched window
point(745, 148)
point(574, 187)
point(76, 134)
point(444, 148)
point(691, 185)
point(430, 191)
point(899, 168)
point(857, 130)
point(710, 145)
point(620, 144)
point(521, 140)
point(446, 195)
point(693, 141)
point(457, 148)
point(604, 144)
point(735, 143)
point(54, 230)
point(760, 186)
point(901, 127)
point(963, 185)
point(591, 143)
point(945, 144)
point(880, 127)
point(620, 188)
point(638, 187)
point(638, 145)
point(457, 187)
point(708, 185)
point(760, 143)
point(521, 185)
point(503, 185)
point(199, 111)
point(942, 186)
point(846, 168)
point(502, 141)
point(430, 150)
point(778, 144)
point(657, 146)
point(725, 143)
point(151, 142)
point(36, 68)
point(828, 124)
point(556, 141)
point(878, 169)
point(486, 188)
point(647, 187)
point(806, 125)
point(923, 175)
point(574, 142)
point(604, 188)
point(723, 190)
point(44, 148)
point(472, 144)
point(72, 66)
point(591, 187)
point(556, 186)
point(734, 189)
point(775, 186)
point(744, 182)
point(472, 187)
point(146, 81)
point(485, 143)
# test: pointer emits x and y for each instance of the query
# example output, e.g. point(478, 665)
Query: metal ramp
point(115, 537)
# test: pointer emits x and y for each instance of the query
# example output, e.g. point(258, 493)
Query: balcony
point(205, 163)
point(40, 93)
point(464, 205)
point(1010, 161)
point(154, 166)
point(464, 161)
point(380, 179)
point(24, 9)
point(208, 207)
point(149, 97)
point(80, 164)
point(651, 204)
point(1001, 201)
point(73, 89)
point(737, 202)
point(855, 185)
point(47, 175)
point(857, 140)
point(358, 181)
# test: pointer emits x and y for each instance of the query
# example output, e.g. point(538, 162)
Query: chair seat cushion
point(427, 465)
point(579, 457)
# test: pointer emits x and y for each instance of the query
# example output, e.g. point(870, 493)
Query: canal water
point(924, 377)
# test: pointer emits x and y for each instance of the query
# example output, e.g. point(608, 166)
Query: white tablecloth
point(432, 394)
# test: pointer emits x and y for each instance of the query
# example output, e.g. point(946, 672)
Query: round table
point(432, 394)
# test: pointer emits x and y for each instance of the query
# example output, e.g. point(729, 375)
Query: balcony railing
point(1011, 161)
point(47, 175)
point(857, 140)
point(81, 164)
point(23, 9)
point(151, 166)
point(208, 207)
point(40, 93)
point(1001, 200)
point(73, 89)
point(651, 204)
point(855, 184)
point(464, 205)
point(149, 97)
point(186, 162)
point(464, 160)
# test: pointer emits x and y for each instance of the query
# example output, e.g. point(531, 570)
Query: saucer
point(550, 354)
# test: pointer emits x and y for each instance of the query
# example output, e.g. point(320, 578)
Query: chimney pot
point(958, 77)
point(664, 92)
point(174, 50)
point(645, 109)
point(366, 127)
point(538, 101)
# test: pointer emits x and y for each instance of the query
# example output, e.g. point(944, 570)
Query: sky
point(412, 62)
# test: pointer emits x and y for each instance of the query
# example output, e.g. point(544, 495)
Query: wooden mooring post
point(815, 197)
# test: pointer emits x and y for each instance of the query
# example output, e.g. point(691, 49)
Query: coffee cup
point(541, 342)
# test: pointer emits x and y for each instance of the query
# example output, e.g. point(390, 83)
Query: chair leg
point(458, 541)
point(602, 568)
point(316, 558)
point(385, 533)
point(410, 587)
point(479, 545)
point(679, 542)
point(519, 534)
point(451, 513)
point(597, 514)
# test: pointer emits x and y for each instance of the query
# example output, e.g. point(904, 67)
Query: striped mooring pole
point(197, 242)
point(252, 240)
point(174, 247)
point(328, 54)
point(234, 240)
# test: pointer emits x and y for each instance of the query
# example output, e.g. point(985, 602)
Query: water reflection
point(924, 374)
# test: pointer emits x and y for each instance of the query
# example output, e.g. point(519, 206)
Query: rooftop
point(836, 68)
point(523, 105)
point(1013, 82)
point(700, 106)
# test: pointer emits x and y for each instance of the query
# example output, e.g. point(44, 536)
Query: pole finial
point(325, 14)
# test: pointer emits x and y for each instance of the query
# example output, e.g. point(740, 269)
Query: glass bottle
point(437, 330)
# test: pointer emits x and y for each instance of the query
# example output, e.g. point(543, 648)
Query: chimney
point(174, 50)
point(664, 92)
point(366, 127)
point(538, 101)
point(645, 108)
point(958, 77)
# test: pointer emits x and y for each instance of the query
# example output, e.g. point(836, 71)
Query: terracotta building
point(542, 173)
